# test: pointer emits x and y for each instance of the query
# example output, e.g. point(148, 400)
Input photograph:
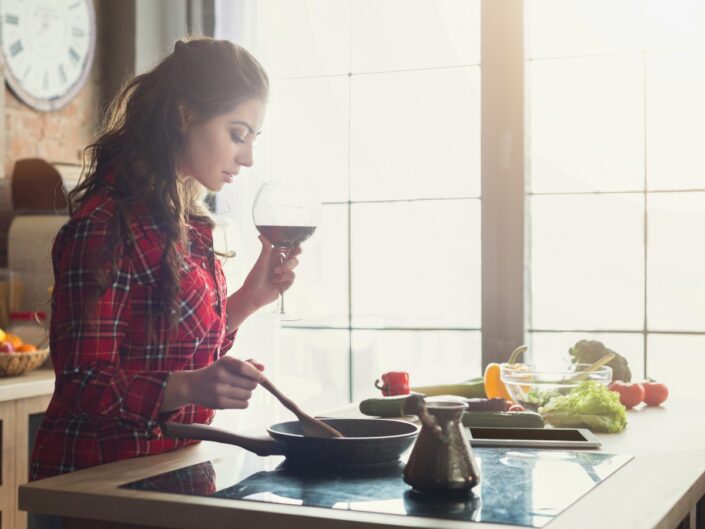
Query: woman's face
point(216, 149)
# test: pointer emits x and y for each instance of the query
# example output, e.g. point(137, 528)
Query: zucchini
point(495, 404)
point(502, 419)
point(399, 405)
point(394, 406)
point(474, 388)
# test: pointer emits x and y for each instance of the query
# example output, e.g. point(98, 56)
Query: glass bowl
point(533, 387)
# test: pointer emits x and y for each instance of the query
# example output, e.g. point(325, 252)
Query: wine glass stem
point(283, 254)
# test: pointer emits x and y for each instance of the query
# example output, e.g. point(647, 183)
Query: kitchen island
point(23, 399)
point(660, 487)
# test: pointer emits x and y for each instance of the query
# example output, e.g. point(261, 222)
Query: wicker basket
point(12, 364)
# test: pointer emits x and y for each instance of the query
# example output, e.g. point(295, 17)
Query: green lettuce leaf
point(589, 405)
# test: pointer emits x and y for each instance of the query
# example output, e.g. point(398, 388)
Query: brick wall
point(57, 136)
point(61, 135)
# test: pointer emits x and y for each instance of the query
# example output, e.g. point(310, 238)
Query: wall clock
point(47, 49)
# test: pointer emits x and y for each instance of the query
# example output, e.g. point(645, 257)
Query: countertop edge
point(33, 384)
point(663, 487)
point(103, 501)
point(656, 489)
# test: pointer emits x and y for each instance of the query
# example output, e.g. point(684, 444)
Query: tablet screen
point(538, 434)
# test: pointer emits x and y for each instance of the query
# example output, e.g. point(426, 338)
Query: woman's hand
point(268, 277)
point(225, 384)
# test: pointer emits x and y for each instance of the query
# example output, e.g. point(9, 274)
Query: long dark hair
point(137, 151)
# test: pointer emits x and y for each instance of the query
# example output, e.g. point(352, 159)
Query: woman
point(140, 315)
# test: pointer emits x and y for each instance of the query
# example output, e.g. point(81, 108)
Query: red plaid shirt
point(110, 378)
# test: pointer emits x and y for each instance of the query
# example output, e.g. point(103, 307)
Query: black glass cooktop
point(519, 486)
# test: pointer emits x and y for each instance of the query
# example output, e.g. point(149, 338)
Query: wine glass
point(286, 215)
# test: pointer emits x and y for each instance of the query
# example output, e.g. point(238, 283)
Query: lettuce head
point(590, 405)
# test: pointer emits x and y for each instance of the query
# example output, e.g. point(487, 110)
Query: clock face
point(48, 48)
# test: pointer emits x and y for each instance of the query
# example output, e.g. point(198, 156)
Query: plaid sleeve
point(228, 342)
point(88, 335)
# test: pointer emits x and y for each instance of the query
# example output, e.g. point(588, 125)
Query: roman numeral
point(45, 81)
point(77, 32)
point(74, 6)
point(12, 19)
point(75, 57)
point(16, 48)
point(62, 74)
point(26, 72)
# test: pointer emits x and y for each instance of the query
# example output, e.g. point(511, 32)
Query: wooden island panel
point(20, 397)
point(8, 495)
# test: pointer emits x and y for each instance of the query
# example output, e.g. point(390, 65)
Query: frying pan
point(364, 441)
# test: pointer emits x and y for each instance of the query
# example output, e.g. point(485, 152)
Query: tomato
point(629, 394)
point(655, 392)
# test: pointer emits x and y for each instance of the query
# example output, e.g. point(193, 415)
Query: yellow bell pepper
point(494, 387)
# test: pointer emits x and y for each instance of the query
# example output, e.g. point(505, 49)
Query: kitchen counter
point(32, 384)
point(23, 399)
point(658, 488)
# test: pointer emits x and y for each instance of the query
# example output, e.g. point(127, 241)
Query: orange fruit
point(26, 348)
point(15, 340)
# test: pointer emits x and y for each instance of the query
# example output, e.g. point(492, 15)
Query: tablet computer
point(534, 437)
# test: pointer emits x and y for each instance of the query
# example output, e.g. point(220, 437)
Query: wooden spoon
point(595, 366)
point(310, 426)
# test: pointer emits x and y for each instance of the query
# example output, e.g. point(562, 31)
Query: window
point(389, 130)
point(616, 197)
point(493, 172)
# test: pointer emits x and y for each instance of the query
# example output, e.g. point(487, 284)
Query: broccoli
point(589, 351)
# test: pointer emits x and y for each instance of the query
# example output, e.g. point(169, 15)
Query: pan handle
point(262, 446)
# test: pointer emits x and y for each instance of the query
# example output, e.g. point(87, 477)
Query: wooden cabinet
point(22, 403)
point(27, 413)
point(8, 486)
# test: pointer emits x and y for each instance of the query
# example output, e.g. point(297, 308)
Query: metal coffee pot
point(441, 459)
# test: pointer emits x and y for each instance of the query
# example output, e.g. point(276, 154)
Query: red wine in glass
point(286, 215)
point(286, 236)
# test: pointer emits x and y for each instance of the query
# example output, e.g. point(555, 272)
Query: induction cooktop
point(519, 486)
